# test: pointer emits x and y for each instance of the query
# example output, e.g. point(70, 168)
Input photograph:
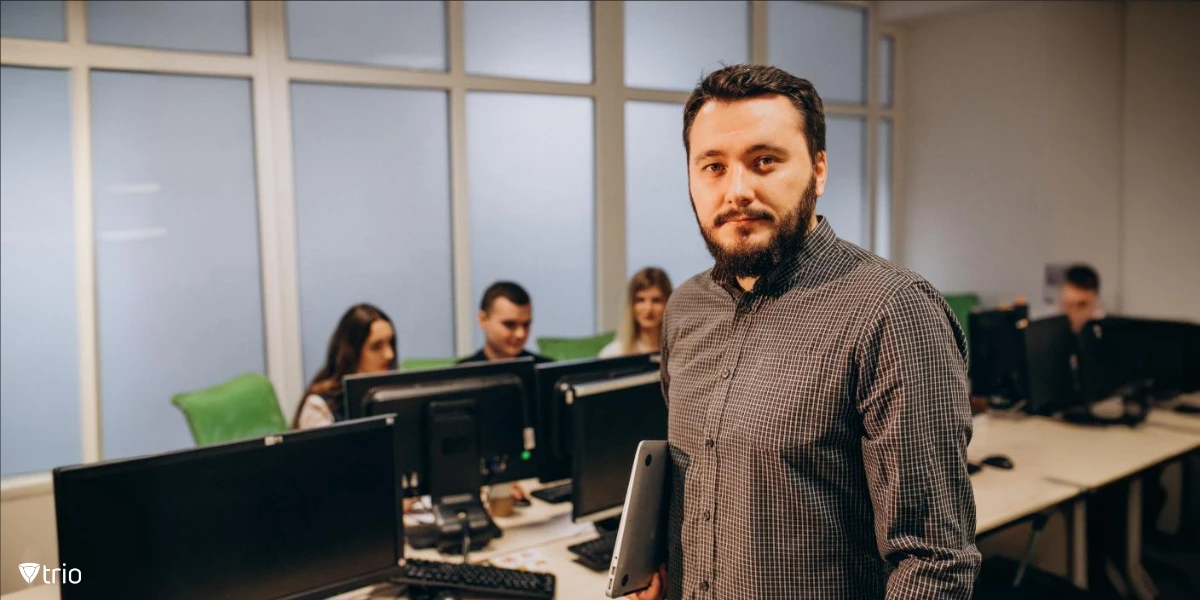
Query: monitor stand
point(454, 478)
point(609, 525)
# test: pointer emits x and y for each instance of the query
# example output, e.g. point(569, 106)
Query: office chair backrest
point(424, 364)
point(573, 348)
point(243, 407)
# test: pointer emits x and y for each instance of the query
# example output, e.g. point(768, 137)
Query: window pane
point(845, 200)
point(202, 26)
point(663, 52)
point(39, 374)
point(883, 190)
point(389, 34)
point(549, 41)
point(36, 19)
point(887, 48)
point(660, 227)
point(823, 43)
point(531, 182)
point(177, 269)
point(373, 213)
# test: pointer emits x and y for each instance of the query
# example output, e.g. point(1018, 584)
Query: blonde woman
point(645, 303)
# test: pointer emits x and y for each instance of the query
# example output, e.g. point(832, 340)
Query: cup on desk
point(500, 500)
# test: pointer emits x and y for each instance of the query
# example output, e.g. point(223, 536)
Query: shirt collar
point(817, 244)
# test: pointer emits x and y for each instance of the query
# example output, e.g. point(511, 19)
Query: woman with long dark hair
point(364, 342)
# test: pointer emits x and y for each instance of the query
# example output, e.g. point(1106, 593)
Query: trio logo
point(50, 576)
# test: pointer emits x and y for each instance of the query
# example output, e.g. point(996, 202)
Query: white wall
point(1161, 190)
point(1011, 154)
point(1056, 132)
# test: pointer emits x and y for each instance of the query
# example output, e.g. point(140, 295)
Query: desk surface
point(1002, 497)
point(1086, 456)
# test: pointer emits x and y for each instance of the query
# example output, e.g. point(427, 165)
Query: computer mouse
point(973, 468)
point(999, 461)
point(523, 502)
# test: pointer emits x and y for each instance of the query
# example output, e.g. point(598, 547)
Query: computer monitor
point(997, 353)
point(460, 428)
point(304, 514)
point(610, 417)
point(1050, 358)
point(1191, 358)
point(1119, 351)
point(555, 395)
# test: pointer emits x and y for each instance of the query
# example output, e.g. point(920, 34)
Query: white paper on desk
point(526, 560)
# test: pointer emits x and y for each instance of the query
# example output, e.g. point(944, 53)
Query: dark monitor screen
point(1049, 351)
point(305, 514)
point(554, 440)
point(494, 396)
point(997, 353)
point(610, 419)
point(1191, 358)
point(1118, 351)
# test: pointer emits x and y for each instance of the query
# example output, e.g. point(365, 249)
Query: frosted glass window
point(409, 34)
point(198, 25)
point(35, 19)
point(39, 374)
point(549, 41)
point(883, 190)
point(844, 202)
point(672, 45)
point(823, 43)
point(887, 68)
point(660, 227)
point(373, 213)
point(177, 269)
point(531, 182)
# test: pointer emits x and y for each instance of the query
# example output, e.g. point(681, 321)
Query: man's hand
point(657, 589)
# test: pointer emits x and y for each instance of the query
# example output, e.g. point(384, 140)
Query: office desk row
point(1056, 465)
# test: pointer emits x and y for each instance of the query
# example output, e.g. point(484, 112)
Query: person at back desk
point(505, 315)
point(641, 326)
point(1079, 297)
point(363, 342)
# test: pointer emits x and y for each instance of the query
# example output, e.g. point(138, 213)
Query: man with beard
point(817, 394)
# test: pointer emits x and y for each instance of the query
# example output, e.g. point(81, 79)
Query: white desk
point(1169, 419)
point(1090, 457)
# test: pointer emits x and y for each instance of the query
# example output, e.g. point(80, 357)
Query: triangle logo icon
point(29, 571)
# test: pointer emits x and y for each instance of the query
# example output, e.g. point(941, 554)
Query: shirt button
point(709, 443)
point(703, 586)
point(724, 373)
point(707, 516)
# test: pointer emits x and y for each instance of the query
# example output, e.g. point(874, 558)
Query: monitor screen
point(498, 398)
point(610, 419)
point(997, 353)
point(1118, 351)
point(298, 515)
point(554, 380)
point(1049, 350)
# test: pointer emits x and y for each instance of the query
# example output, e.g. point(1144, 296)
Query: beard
point(786, 240)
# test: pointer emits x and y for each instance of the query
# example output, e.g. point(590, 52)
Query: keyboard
point(487, 581)
point(554, 494)
point(596, 554)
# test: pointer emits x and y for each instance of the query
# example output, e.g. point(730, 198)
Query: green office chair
point(962, 305)
point(425, 364)
point(572, 348)
point(241, 408)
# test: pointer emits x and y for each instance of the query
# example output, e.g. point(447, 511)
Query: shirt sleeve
point(315, 413)
point(611, 349)
point(913, 397)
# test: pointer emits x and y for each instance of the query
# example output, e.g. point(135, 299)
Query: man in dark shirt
point(818, 412)
point(505, 315)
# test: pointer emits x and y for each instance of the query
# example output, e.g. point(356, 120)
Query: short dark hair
point(504, 289)
point(739, 82)
point(1083, 277)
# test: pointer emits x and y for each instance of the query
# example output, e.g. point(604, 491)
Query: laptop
point(641, 546)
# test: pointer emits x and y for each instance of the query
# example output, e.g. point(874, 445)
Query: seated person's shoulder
point(315, 412)
point(611, 350)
